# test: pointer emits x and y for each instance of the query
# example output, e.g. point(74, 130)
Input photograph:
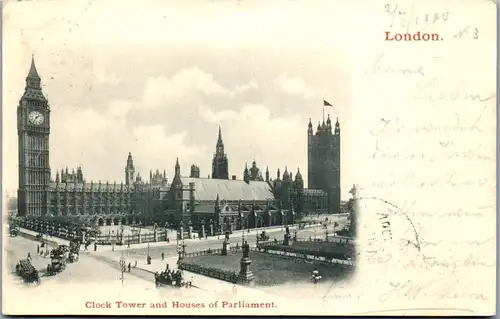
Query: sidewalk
point(29, 234)
point(173, 242)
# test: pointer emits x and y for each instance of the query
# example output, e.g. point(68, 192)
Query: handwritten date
point(409, 19)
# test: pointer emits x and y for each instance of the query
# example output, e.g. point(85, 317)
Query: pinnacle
point(33, 73)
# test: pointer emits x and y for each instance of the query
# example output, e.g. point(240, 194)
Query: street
point(103, 266)
point(170, 250)
point(89, 269)
point(101, 270)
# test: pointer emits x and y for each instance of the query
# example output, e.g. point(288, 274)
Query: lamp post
point(148, 259)
point(242, 238)
point(122, 266)
point(122, 230)
point(183, 249)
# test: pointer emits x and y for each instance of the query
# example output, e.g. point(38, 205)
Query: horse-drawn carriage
point(316, 277)
point(13, 231)
point(171, 279)
point(263, 236)
point(28, 272)
point(73, 251)
point(56, 266)
point(58, 258)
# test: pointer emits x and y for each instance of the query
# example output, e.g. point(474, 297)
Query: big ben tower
point(33, 130)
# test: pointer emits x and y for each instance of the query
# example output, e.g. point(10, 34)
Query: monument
point(287, 237)
point(224, 248)
point(190, 230)
point(203, 231)
point(211, 228)
point(180, 231)
point(245, 276)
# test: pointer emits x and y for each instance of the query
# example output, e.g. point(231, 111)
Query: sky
point(159, 80)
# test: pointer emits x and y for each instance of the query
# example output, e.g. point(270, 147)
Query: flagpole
point(323, 110)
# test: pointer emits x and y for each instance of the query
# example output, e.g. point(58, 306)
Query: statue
point(353, 191)
point(246, 249)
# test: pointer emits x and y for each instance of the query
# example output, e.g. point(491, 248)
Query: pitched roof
point(207, 189)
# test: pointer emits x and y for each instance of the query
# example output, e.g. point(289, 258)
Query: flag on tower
point(326, 103)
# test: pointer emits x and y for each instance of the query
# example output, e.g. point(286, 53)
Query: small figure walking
point(129, 266)
point(162, 256)
point(95, 246)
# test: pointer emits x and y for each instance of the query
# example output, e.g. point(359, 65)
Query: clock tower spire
point(33, 130)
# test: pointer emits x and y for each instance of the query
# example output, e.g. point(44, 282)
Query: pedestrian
point(37, 249)
point(129, 266)
point(162, 256)
point(95, 246)
point(29, 256)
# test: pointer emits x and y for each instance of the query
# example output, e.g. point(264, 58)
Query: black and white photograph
point(247, 157)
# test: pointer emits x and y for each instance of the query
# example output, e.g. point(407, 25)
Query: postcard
point(225, 157)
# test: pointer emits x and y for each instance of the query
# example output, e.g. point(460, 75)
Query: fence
point(131, 239)
point(336, 253)
point(335, 240)
point(340, 240)
point(229, 276)
point(217, 251)
point(306, 256)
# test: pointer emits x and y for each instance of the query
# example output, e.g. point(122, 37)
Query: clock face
point(36, 117)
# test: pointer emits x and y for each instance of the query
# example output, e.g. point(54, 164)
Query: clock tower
point(33, 130)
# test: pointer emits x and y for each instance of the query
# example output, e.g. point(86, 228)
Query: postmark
point(386, 229)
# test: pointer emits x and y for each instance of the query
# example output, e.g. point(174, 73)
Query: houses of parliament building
point(253, 201)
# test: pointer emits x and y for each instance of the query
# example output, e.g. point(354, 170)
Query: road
point(170, 250)
point(89, 269)
point(104, 266)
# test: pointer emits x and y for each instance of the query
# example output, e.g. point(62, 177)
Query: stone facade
point(69, 196)
point(323, 158)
